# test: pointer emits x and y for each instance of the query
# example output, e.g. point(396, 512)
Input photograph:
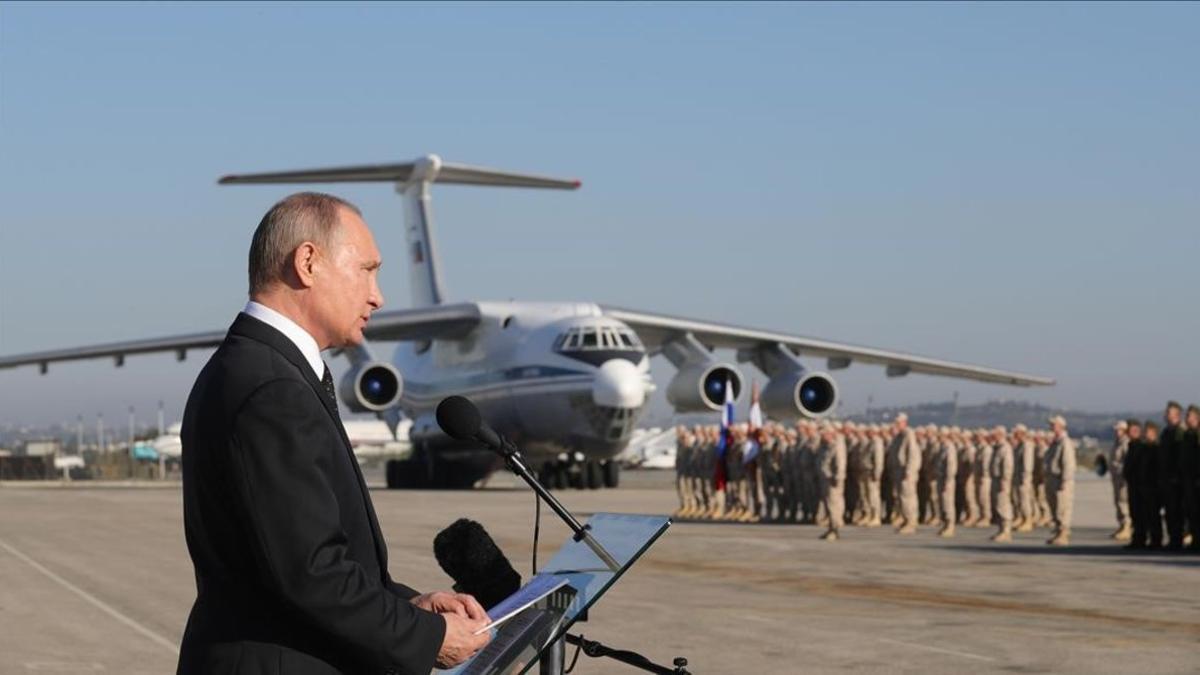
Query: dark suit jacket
point(291, 568)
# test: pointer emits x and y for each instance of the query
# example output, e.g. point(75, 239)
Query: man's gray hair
point(304, 216)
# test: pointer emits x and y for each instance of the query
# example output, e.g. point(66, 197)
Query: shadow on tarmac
point(1115, 552)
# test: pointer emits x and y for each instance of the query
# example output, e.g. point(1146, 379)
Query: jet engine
point(799, 393)
point(371, 386)
point(701, 386)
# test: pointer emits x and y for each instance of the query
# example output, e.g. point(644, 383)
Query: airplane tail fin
point(412, 180)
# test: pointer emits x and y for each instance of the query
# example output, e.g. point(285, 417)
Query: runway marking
point(63, 665)
point(917, 645)
point(97, 602)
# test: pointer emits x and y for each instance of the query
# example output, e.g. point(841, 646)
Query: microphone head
point(459, 418)
point(466, 552)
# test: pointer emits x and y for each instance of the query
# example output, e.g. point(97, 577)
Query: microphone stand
point(596, 650)
point(512, 458)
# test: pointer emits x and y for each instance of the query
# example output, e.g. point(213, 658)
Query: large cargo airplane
point(566, 381)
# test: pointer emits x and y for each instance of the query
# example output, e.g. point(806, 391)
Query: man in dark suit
point(291, 567)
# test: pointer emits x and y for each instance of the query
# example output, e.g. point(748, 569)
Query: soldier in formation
point(1116, 469)
point(1160, 472)
point(831, 474)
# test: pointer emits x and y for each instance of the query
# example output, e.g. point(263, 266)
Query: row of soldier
point(1156, 480)
point(870, 475)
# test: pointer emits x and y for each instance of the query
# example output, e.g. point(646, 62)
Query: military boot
point(1061, 538)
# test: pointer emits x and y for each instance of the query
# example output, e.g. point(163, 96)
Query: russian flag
point(725, 439)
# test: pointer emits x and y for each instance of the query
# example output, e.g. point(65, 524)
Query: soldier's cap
point(999, 429)
point(1020, 429)
point(1174, 404)
point(1057, 419)
point(902, 417)
point(1121, 424)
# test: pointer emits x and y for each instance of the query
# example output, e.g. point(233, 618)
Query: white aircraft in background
point(368, 438)
point(566, 381)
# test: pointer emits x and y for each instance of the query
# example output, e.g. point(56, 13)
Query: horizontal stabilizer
point(429, 168)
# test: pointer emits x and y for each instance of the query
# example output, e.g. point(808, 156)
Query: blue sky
point(1005, 184)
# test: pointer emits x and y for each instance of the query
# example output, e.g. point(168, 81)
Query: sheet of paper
point(538, 587)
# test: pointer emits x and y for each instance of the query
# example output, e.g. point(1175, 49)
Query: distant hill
point(1008, 413)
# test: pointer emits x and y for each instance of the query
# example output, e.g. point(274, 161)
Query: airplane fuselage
point(555, 378)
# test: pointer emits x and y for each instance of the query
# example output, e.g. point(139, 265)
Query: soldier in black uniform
point(1189, 468)
point(1133, 480)
point(1170, 480)
point(1150, 477)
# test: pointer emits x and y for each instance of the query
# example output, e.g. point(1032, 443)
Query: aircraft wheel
point(575, 478)
point(561, 479)
point(591, 473)
point(612, 474)
point(405, 474)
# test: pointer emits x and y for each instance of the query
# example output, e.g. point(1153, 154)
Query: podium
point(532, 636)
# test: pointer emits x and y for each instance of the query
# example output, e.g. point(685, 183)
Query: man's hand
point(460, 642)
point(445, 602)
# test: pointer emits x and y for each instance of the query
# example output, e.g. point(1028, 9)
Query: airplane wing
point(657, 329)
point(422, 323)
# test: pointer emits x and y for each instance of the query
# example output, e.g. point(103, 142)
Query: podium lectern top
point(517, 644)
point(626, 537)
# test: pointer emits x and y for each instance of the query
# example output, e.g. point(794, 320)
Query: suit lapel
point(254, 329)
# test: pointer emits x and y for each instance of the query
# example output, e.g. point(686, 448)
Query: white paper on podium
point(538, 587)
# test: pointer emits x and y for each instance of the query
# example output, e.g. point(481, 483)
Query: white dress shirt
point(299, 337)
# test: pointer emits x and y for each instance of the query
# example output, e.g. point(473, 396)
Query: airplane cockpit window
point(606, 338)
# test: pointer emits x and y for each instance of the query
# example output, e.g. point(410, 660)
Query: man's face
point(1151, 435)
point(1172, 415)
point(1193, 419)
point(1134, 433)
point(347, 290)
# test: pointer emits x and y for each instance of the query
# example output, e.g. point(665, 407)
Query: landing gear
point(612, 473)
point(591, 475)
point(428, 471)
point(586, 475)
point(404, 474)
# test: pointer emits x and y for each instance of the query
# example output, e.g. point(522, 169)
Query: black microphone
point(472, 559)
point(460, 419)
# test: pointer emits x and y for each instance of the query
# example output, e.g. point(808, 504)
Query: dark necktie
point(327, 382)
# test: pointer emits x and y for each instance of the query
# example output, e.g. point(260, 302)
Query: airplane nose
point(618, 384)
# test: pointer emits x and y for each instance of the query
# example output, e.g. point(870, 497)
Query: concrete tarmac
point(97, 579)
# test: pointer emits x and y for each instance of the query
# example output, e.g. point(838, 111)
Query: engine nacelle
point(701, 386)
point(371, 386)
point(799, 393)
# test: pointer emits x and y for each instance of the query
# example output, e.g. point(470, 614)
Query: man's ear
point(304, 263)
